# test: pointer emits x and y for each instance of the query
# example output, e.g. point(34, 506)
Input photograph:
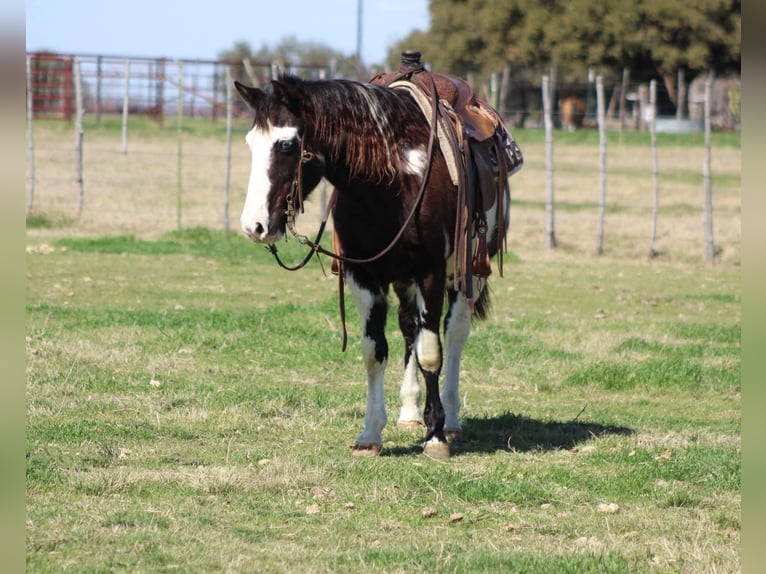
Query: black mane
point(368, 128)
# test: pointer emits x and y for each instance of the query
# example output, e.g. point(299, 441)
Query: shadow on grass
point(512, 432)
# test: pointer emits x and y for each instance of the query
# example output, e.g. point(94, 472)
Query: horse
point(572, 113)
point(393, 210)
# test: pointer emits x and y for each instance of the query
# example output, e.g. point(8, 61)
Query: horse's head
point(277, 155)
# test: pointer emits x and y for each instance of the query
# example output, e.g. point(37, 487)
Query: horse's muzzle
point(260, 235)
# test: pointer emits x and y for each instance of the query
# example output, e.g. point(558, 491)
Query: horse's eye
point(286, 146)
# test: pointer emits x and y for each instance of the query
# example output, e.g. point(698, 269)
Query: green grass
point(189, 409)
point(43, 221)
point(146, 127)
point(590, 137)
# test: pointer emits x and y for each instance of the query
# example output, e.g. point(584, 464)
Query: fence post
point(623, 99)
point(504, 87)
point(125, 105)
point(229, 106)
point(179, 118)
point(30, 136)
point(249, 71)
point(655, 166)
point(79, 133)
point(98, 89)
point(602, 162)
point(549, 216)
point(680, 100)
point(707, 217)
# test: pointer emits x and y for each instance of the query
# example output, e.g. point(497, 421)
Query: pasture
point(189, 408)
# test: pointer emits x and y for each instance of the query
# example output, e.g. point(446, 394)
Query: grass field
point(189, 408)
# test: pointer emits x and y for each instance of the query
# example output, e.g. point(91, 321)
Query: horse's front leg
point(409, 393)
point(428, 351)
point(371, 302)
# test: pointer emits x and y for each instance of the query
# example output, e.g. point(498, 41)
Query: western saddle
point(480, 153)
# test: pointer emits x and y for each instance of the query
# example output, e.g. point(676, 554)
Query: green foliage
point(649, 36)
point(290, 51)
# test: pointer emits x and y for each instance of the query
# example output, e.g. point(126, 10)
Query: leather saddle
point(484, 151)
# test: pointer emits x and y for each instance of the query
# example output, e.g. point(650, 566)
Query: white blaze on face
point(255, 215)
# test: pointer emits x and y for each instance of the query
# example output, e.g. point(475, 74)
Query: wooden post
point(30, 136)
point(707, 217)
point(229, 106)
point(504, 88)
point(655, 167)
point(125, 106)
point(494, 90)
point(681, 96)
point(602, 162)
point(214, 107)
point(179, 119)
point(160, 96)
point(249, 71)
point(98, 89)
point(78, 133)
point(549, 215)
point(680, 102)
point(623, 99)
point(643, 98)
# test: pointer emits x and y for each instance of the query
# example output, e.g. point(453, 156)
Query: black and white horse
point(371, 143)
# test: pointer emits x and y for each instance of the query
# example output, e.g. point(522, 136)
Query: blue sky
point(192, 30)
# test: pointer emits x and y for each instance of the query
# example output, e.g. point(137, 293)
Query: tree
point(651, 37)
point(291, 52)
point(694, 37)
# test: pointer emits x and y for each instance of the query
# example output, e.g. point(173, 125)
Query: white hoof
point(366, 449)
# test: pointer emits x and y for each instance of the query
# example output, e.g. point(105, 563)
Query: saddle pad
point(424, 101)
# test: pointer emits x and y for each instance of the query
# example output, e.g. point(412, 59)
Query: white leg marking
point(428, 351)
point(410, 393)
point(375, 415)
point(458, 329)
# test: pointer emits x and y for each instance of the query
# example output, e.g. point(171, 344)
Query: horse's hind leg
point(457, 327)
point(409, 413)
point(428, 351)
point(372, 305)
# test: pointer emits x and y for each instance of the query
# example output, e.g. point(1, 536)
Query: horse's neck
point(358, 139)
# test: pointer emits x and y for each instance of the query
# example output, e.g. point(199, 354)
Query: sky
point(200, 30)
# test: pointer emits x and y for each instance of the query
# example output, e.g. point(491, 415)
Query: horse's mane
point(367, 127)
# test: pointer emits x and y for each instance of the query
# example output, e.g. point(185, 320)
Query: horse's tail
point(482, 305)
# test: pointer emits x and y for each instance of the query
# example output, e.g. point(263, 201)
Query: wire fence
point(178, 169)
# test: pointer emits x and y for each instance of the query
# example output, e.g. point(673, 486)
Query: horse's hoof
point(436, 450)
point(366, 449)
point(453, 434)
point(408, 425)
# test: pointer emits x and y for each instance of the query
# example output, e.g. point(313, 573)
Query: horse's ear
point(289, 95)
point(250, 95)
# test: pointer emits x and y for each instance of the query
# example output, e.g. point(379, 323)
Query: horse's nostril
point(259, 229)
